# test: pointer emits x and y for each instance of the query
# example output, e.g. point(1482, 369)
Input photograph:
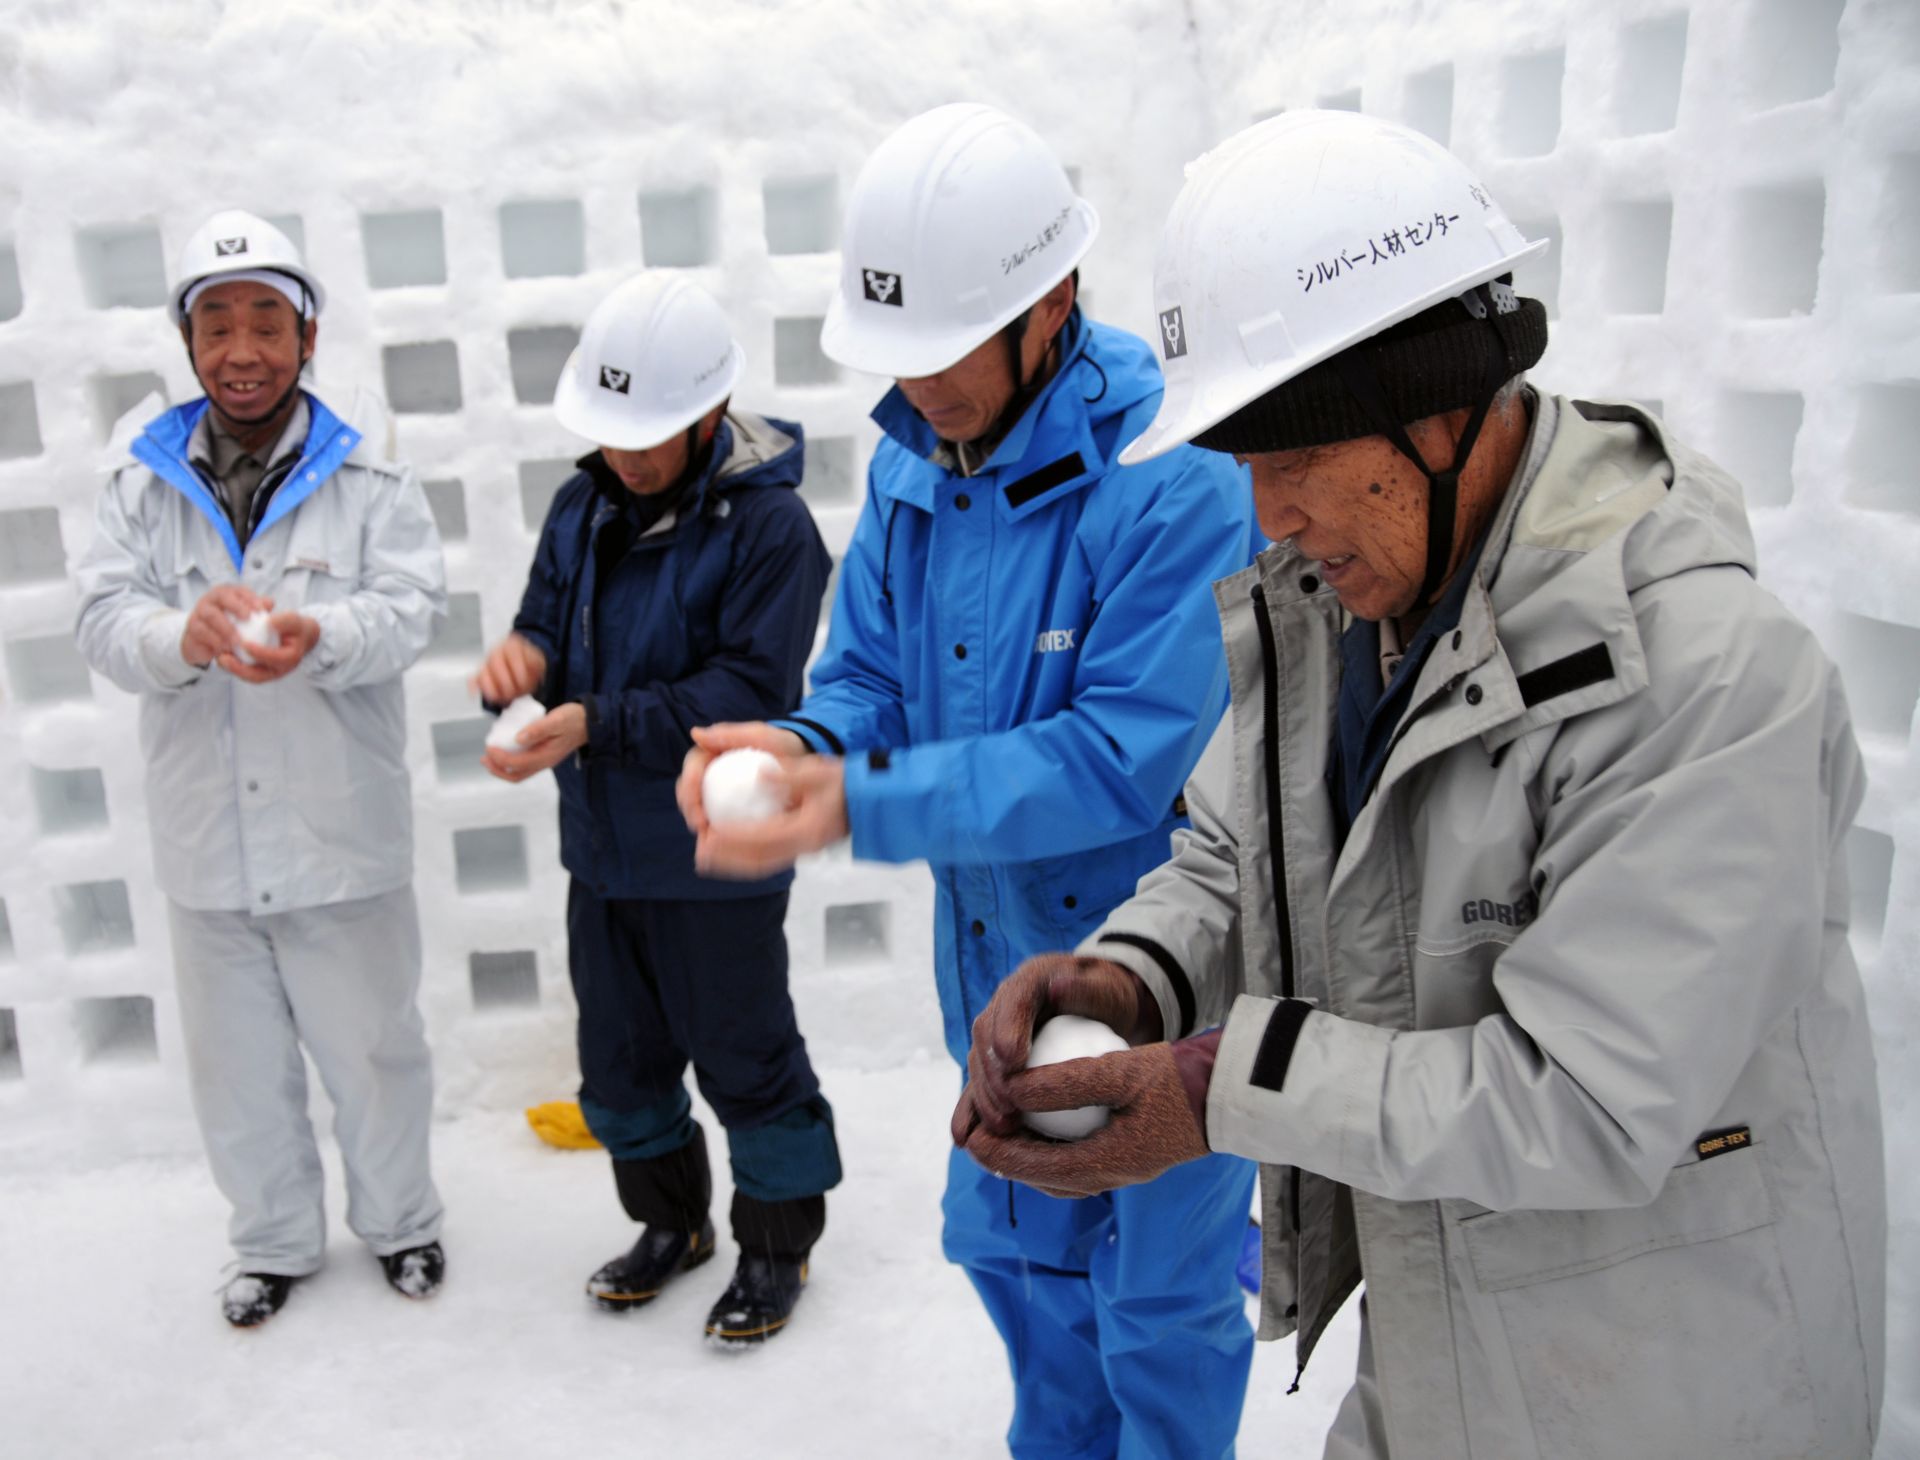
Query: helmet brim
point(589, 412)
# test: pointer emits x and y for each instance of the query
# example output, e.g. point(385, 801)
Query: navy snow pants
point(665, 984)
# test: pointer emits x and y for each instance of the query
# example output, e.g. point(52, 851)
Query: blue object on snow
point(1249, 1268)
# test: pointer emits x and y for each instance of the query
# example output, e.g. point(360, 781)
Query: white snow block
point(1069, 1037)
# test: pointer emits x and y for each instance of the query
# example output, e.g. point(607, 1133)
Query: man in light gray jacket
point(260, 576)
point(1514, 905)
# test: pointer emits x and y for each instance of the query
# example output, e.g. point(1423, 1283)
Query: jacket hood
point(764, 452)
point(1111, 370)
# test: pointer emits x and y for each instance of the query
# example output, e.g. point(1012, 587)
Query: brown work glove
point(1053, 983)
point(1153, 1125)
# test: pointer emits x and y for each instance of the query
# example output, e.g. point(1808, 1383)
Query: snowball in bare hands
point(735, 789)
point(505, 734)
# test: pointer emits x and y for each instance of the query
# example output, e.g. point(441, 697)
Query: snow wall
point(1732, 188)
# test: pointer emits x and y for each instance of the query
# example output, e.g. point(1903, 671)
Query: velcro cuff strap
point(1276, 1045)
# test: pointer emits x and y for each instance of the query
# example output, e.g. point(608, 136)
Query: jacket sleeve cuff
point(1156, 967)
point(1296, 1086)
point(160, 649)
point(340, 637)
point(820, 740)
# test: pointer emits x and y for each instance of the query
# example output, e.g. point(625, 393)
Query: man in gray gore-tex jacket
point(1511, 931)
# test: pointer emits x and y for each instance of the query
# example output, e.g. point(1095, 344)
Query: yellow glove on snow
point(560, 1123)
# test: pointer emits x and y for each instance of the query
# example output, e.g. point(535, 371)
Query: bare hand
point(815, 790)
point(298, 634)
point(515, 667)
point(543, 744)
point(213, 624)
point(712, 740)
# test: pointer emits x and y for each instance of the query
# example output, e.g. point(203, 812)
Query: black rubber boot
point(671, 1195)
point(775, 1238)
point(636, 1277)
point(254, 1297)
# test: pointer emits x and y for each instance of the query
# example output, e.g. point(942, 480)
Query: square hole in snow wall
point(11, 299)
point(1898, 225)
point(116, 1030)
point(291, 225)
point(9, 1046)
point(94, 917)
point(540, 480)
point(1529, 118)
point(45, 671)
point(1880, 663)
point(797, 356)
point(1429, 102)
point(115, 395)
point(447, 500)
point(542, 239)
point(1773, 252)
point(1653, 54)
point(122, 266)
point(802, 213)
point(1883, 458)
point(404, 248)
point(422, 379)
point(1754, 432)
point(19, 420)
point(1869, 878)
point(30, 548)
point(490, 859)
point(456, 748)
point(68, 801)
point(680, 228)
point(1792, 50)
point(828, 480)
point(1340, 101)
point(504, 980)
point(1635, 236)
point(459, 632)
point(534, 356)
point(856, 932)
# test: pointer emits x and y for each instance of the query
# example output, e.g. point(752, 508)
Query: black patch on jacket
point(1276, 1045)
point(1592, 665)
point(1718, 1142)
point(1044, 480)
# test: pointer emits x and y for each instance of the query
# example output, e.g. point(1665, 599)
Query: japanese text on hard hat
point(1394, 243)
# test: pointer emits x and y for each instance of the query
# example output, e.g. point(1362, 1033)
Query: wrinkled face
point(655, 468)
point(963, 401)
point(247, 344)
point(1359, 510)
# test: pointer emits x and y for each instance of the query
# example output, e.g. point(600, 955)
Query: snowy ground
point(111, 1342)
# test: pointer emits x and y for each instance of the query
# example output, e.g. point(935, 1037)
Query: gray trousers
point(340, 980)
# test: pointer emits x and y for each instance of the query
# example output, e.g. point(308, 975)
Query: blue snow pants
point(662, 984)
point(1122, 1315)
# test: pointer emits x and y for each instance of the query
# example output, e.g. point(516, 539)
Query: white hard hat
point(1299, 237)
point(237, 242)
point(958, 223)
point(656, 355)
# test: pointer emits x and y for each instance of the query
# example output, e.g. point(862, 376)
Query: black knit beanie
point(1435, 362)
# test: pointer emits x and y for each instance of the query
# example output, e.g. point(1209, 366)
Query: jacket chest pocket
point(318, 559)
point(1665, 1329)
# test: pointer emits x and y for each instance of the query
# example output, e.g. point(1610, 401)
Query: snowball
point(516, 717)
point(734, 791)
point(256, 628)
point(1069, 1037)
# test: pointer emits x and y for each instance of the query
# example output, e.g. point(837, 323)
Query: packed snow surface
point(735, 787)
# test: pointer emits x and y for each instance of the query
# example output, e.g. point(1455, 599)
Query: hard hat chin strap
point(1443, 486)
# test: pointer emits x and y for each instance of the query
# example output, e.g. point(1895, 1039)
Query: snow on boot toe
point(758, 1302)
point(254, 1297)
point(638, 1274)
point(417, 1272)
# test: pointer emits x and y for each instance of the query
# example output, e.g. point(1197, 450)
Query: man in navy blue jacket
point(1024, 665)
point(677, 582)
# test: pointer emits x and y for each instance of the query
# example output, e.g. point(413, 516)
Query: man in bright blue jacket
point(1023, 667)
point(678, 580)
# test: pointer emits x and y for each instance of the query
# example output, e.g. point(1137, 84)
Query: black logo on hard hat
point(222, 247)
point(881, 288)
point(615, 380)
point(1173, 333)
